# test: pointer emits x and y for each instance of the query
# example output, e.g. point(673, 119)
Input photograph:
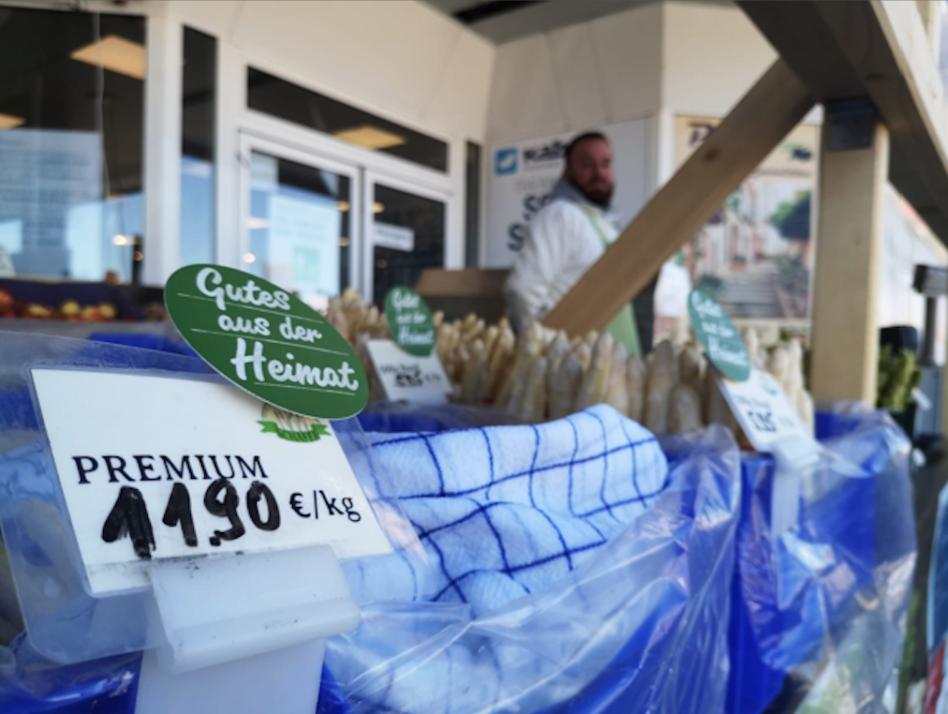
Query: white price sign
point(405, 377)
point(763, 410)
point(160, 467)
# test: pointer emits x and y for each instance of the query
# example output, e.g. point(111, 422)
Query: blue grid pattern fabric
point(507, 511)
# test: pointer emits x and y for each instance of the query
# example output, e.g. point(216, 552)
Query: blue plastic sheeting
point(937, 618)
point(65, 623)
point(640, 626)
point(29, 683)
point(819, 609)
point(144, 341)
point(16, 405)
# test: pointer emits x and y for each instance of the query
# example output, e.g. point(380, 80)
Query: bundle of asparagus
point(543, 374)
point(353, 318)
point(546, 375)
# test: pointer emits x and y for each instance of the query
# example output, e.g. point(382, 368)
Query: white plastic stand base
point(244, 634)
point(795, 458)
point(282, 682)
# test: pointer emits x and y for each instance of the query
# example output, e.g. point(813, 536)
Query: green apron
point(622, 327)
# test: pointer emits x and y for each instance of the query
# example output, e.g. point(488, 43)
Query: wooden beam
point(752, 129)
point(878, 49)
point(929, 11)
point(846, 277)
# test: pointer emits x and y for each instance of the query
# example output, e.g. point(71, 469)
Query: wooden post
point(846, 276)
point(752, 129)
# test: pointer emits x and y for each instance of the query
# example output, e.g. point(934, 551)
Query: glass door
point(298, 214)
point(406, 227)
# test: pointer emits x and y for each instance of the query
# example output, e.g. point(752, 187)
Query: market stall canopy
point(880, 50)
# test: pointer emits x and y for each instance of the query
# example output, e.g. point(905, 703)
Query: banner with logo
point(521, 177)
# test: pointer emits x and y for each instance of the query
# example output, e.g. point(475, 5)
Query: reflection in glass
point(198, 93)
point(299, 224)
point(408, 236)
point(71, 121)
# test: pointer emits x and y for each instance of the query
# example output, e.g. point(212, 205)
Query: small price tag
point(406, 377)
point(763, 410)
point(158, 467)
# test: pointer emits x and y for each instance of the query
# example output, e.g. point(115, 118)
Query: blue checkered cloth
point(507, 511)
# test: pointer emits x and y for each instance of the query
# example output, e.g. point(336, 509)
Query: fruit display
point(6, 304)
point(542, 374)
point(67, 302)
point(68, 311)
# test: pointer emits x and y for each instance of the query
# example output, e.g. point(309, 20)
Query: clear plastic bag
point(31, 683)
point(640, 626)
point(819, 609)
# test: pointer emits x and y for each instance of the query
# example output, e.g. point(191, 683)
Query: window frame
point(370, 179)
point(250, 142)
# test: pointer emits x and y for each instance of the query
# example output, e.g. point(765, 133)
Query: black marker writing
point(178, 511)
point(257, 491)
point(226, 508)
point(130, 516)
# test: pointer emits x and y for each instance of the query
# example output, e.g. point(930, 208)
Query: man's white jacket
point(565, 238)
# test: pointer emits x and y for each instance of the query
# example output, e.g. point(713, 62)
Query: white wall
point(582, 76)
point(711, 55)
point(683, 57)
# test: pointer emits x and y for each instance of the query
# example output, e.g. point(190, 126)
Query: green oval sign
point(721, 341)
point(409, 321)
point(266, 341)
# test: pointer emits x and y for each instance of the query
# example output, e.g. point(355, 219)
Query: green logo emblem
point(291, 427)
point(409, 321)
point(266, 341)
point(717, 334)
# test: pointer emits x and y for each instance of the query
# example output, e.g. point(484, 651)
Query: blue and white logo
point(505, 161)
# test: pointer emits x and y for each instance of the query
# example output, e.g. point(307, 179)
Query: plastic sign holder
point(773, 426)
point(244, 634)
point(758, 403)
point(407, 377)
point(407, 366)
